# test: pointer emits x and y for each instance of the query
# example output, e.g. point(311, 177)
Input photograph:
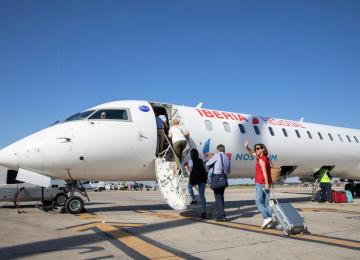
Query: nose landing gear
point(75, 204)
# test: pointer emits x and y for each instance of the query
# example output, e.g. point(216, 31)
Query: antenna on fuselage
point(199, 105)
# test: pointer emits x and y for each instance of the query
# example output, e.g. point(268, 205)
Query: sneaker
point(194, 202)
point(203, 215)
point(266, 222)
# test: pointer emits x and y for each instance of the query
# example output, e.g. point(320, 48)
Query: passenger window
point(330, 136)
point(340, 138)
point(348, 138)
point(208, 125)
point(297, 133)
point(118, 114)
point(284, 131)
point(226, 126)
point(256, 129)
point(271, 131)
point(309, 134)
point(320, 136)
point(242, 129)
point(356, 140)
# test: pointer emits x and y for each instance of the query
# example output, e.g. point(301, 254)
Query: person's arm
point(249, 149)
point(211, 161)
point(186, 133)
point(263, 168)
point(190, 166)
point(170, 135)
point(328, 173)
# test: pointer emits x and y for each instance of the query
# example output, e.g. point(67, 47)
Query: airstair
point(172, 179)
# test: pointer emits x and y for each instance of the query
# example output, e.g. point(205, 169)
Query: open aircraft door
point(171, 176)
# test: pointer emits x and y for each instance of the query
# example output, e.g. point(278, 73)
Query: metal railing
point(182, 172)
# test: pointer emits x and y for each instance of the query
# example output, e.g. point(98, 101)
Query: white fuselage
point(97, 148)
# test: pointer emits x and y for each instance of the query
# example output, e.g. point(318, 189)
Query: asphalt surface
point(140, 225)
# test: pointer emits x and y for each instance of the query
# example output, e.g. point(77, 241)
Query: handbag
point(275, 173)
point(219, 180)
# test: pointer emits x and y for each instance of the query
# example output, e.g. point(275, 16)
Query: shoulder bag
point(219, 180)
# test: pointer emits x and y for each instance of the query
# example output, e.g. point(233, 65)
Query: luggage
point(317, 196)
point(339, 196)
point(275, 174)
point(349, 196)
point(288, 218)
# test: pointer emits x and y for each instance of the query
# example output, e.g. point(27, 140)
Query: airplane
point(122, 145)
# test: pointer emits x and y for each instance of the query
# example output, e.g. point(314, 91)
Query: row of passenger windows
point(226, 125)
point(298, 134)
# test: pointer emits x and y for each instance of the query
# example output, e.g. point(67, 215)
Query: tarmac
point(140, 225)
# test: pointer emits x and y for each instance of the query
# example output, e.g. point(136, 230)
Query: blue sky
point(286, 59)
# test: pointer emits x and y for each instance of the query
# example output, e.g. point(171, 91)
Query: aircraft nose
point(9, 158)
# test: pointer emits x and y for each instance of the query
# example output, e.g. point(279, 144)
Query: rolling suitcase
point(288, 218)
point(339, 196)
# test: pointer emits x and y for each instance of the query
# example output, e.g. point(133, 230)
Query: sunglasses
point(258, 148)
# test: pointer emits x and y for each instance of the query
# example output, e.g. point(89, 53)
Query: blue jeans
point(201, 187)
point(219, 203)
point(262, 201)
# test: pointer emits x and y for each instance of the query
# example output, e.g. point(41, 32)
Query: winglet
point(199, 105)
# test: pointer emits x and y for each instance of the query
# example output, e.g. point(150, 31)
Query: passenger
point(262, 181)
point(160, 124)
point(221, 164)
point(208, 156)
point(178, 136)
point(325, 185)
point(198, 177)
point(103, 115)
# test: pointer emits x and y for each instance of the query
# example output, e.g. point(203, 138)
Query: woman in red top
point(262, 181)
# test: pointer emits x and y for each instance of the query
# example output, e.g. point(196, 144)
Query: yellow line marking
point(136, 243)
point(126, 224)
point(162, 215)
point(132, 241)
point(330, 240)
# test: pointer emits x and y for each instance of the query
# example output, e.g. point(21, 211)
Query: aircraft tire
point(60, 199)
point(74, 205)
point(357, 189)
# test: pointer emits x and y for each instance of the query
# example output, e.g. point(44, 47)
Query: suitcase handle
point(268, 196)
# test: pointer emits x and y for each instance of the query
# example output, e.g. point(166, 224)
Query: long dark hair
point(194, 154)
point(263, 146)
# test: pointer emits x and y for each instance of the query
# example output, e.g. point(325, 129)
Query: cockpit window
point(119, 114)
point(79, 116)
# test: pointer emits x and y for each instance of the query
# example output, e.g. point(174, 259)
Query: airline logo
point(249, 157)
point(281, 122)
point(220, 115)
point(239, 117)
point(144, 108)
point(206, 149)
